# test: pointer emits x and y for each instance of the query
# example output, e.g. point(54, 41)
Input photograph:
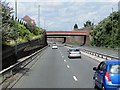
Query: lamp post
point(44, 24)
point(37, 5)
point(16, 27)
point(39, 15)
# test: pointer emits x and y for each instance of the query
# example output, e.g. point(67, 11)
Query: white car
point(74, 52)
point(54, 47)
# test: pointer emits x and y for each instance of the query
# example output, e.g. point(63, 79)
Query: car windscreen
point(115, 68)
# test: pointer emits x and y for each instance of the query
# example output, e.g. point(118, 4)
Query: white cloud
point(63, 14)
point(64, 0)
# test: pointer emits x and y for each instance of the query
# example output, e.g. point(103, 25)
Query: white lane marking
point(68, 66)
point(74, 77)
point(64, 60)
point(61, 54)
point(67, 47)
point(93, 57)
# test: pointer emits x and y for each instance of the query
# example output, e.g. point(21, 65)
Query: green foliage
point(107, 32)
point(7, 31)
point(14, 32)
point(88, 24)
point(37, 31)
point(23, 32)
point(75, 26)
point(6, 12)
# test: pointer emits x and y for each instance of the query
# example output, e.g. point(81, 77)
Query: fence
point(9, 56)
point(13, 69)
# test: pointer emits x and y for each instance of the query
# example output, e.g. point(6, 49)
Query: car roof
point(113, 61)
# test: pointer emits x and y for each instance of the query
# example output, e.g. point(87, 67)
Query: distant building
point(28, 19)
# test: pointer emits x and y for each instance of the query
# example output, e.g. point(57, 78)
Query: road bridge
point(64, 34)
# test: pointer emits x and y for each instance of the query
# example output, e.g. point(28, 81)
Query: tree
point(6, 12)
point(88, 24)
point(12, 29)
point(6, 22)
point(107, 32)
point(75, 26)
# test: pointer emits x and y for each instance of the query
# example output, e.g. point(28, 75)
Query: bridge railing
point(14, 69)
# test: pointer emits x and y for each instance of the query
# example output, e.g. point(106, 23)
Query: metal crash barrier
point(100, 55)
point(107, 57)
point(14, 69)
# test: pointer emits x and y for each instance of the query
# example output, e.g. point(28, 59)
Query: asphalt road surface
point(55, 70)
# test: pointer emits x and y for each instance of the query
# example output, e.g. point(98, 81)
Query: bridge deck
point(68, 33)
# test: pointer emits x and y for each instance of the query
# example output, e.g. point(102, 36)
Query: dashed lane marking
point(74, 77)
point(68, 66)
point(64, 60)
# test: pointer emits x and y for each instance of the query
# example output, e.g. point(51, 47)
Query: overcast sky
point(63, 14)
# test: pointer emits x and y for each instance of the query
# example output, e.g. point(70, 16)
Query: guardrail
point(13, 69)
point(100, 55)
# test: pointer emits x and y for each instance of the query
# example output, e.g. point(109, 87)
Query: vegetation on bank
point(14, 31)
point(107, 32)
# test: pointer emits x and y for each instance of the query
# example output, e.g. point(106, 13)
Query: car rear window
point(77, 50)
point(115, 68)
point(74, 50)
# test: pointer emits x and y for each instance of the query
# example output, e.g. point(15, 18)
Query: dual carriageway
point(53, 69)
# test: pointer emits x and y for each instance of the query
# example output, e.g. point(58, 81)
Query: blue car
point(107, 75)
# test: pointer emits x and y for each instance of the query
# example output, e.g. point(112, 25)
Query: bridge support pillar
point(84, 41)
point(64, 40)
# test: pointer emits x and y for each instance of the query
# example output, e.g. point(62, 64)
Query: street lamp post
point(44, 24)
point(16, 27)
point(39, 15)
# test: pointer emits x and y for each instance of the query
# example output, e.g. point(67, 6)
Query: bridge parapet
point(68, 33)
